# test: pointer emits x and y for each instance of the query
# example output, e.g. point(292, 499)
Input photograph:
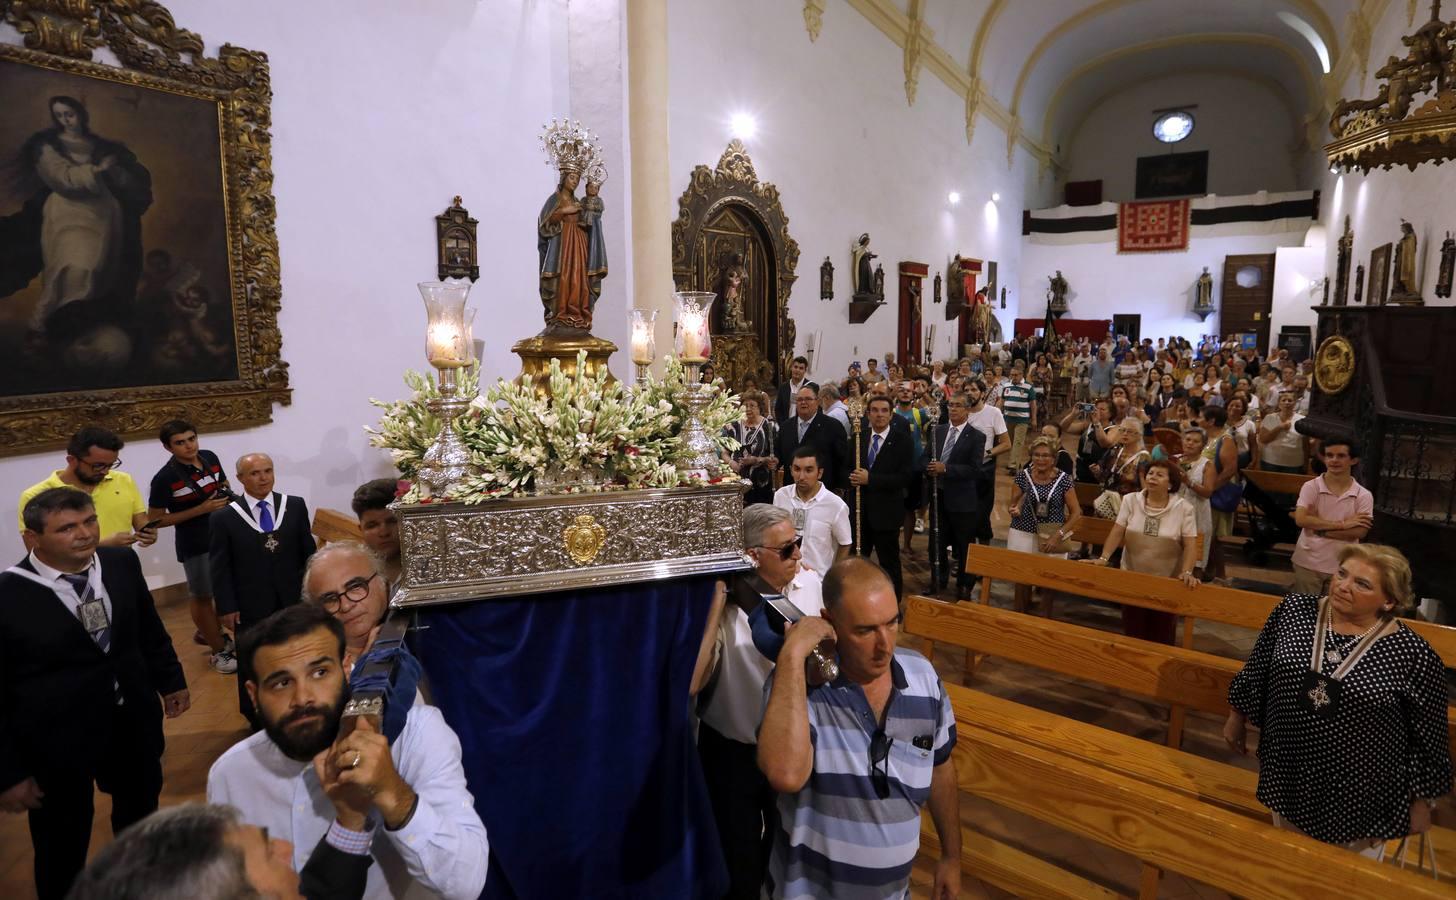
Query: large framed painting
point(139, 276)
point(1375, 293)
point(1172, 175)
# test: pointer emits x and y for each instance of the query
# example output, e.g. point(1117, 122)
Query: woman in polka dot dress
point(1349, 754)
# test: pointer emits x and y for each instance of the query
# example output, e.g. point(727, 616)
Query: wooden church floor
point(212, 725)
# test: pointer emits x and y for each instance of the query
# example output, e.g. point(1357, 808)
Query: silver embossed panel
point(452, 552)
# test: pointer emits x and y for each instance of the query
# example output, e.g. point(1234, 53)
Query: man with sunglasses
point(93, 466)
point(731, 698)
point(855, 759)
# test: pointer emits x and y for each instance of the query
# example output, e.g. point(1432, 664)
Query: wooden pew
point(1087, 494)
point(1169, 830)
point(1154, 670)
point(331, 525)
point(1277, 482)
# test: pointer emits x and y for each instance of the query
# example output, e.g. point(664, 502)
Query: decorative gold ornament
point(155, 55)
point(537, 352)
point(1334, 364)
point(584, 538)
point(1386, 130)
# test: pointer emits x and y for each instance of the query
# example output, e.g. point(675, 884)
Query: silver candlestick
point(699, 451)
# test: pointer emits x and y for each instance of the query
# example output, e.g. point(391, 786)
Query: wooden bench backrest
point(330, 525)
point(1167, 829)
point(1170, 674)
point(1277, 482)
point(1213, 602)
point(1087, 494)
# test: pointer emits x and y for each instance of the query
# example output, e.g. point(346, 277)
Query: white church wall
point(848, 155)
point(379, 119)
point(1231, 111)
point(1297, 270)
point(1160, 287)
point(1378, 201)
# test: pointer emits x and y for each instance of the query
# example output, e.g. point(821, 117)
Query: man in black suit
point(259, 545)
point(960, 448)
point(810, 426)
point(85, 659)
point(886, 455)
point(789, 390)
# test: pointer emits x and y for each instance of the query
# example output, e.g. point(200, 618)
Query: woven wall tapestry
point(1155, 226)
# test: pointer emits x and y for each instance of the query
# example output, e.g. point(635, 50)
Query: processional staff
point(856, 415)
point(933, 532)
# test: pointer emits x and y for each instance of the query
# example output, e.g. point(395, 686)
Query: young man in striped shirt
point(1018, 404)
point(855, 759)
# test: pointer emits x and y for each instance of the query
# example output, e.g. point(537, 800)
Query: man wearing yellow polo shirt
point(93, 459)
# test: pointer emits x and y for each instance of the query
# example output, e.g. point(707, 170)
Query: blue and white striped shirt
point(836, 838)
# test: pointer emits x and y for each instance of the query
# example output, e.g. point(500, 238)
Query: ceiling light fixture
point(995, 197)
point(743, 125)
point(954, 197)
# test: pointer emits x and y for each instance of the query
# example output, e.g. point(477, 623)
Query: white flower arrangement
point(595, 432)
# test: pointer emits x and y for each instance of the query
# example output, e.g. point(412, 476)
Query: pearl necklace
point(1334, 657)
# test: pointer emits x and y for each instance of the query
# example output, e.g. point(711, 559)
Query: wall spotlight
point(954, 197)
point(995, 197)
point(743, 125)
point(1334, 170)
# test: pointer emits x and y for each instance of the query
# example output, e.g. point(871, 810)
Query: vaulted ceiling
point(1035, 67)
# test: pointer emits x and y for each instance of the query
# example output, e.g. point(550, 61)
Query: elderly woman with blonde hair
point(1351, 706)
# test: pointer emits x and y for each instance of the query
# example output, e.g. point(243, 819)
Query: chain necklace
point(1334, 656)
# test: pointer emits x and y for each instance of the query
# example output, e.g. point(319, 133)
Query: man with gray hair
point(346, 578)
point(832, 406)
point(730, 703)
point(258, 545)
point(199, 852)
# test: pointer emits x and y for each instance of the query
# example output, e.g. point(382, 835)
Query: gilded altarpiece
point(731, 237)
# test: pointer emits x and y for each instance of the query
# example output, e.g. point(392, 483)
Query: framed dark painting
point(138, 259)
point(1377, 289)
point(1172, 175)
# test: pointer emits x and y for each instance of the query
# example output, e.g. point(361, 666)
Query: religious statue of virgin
point(568, 231)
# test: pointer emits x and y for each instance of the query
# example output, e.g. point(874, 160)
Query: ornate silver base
point(453, 552)
point(447, 462)
point(699, 455)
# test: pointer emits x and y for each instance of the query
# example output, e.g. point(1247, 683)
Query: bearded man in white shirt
point(406, 801)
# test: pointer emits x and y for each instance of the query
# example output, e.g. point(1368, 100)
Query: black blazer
point(58, 690)
point(784, 400)
point(825, 433)
point(884, 496)
point(959, 485)
point(248, 579)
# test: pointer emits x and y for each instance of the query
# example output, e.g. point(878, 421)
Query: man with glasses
point(855, 759)
point(810, 426)
point(731, 676)
point(346, 578)
point(93, 466)
point(258, 547)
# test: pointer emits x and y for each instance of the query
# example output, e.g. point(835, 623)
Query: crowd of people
point(820, 738)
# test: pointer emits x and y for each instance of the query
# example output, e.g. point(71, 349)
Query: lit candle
point(694, 327)
point(642, 342)
point(446, 345)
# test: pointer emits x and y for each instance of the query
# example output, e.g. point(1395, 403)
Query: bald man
point(260, 544)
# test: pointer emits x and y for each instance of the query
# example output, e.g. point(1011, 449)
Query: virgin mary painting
point(80, 229)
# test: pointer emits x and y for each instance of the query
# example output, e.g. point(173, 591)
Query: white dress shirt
point(825, 524)
point(67, 594)
point(441, 851)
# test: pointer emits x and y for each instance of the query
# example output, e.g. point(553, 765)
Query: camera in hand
point(1085, 408)
point(781, 612)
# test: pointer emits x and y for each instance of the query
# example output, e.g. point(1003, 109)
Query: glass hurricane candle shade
point(694, 343)
point(446, 333)
point(644, 342)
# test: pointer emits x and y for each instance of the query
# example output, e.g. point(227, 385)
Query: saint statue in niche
point(1205, 291)
point(863, 259)
point(1403, 271)
point(1448, 264)
point(732, 283)
point(1057, 292)
point(568, 232)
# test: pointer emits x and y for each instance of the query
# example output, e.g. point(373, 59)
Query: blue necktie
point(874, 448)
point(265, 518)
point(82, 585)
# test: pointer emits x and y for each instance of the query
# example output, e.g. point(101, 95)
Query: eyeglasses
point(102, 467)
point(354, 591)
point(879, 765)
point(787, 550)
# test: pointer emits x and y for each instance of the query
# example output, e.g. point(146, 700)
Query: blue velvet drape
point(572, 711)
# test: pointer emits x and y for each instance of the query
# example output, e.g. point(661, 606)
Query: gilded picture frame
point(1377, 290)
point(179, 317)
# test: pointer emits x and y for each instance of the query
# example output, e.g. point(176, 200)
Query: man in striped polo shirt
point(855, 759)
point(1018, 404)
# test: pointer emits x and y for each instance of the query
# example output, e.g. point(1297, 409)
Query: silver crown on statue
point(570, 147)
